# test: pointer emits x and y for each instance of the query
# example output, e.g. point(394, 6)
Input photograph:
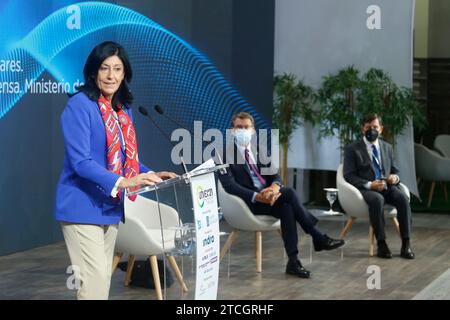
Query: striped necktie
point(254, 168)
point(376, 162)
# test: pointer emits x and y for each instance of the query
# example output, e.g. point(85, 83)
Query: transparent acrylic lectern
point(192, 239)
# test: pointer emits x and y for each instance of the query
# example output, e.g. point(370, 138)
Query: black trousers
point(394, 196)
point(290, 211)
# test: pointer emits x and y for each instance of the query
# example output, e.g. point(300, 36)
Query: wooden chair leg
point(396, 224)
point(155, 273)
point(430, 196)
point(228, 243)
point(130, 266)
point(116, 261)
point(371, 241)
point(347, 227)
point(258, 253)
point(178, 274)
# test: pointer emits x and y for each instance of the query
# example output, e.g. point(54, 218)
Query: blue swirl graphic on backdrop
point(175, 74)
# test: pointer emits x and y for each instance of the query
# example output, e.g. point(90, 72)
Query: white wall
point(317, 37)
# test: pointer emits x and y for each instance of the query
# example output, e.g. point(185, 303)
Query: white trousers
point(91, 250)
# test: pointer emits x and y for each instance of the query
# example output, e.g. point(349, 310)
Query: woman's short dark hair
point(99, 54)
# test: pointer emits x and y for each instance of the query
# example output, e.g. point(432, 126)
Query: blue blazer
point(83, 194)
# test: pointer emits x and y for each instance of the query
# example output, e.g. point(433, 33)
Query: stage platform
point(340, 274)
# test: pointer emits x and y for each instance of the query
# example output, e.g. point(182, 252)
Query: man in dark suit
point(369, 166)
point(264, 194)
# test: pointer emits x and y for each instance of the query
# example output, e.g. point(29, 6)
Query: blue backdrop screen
point(43, 48)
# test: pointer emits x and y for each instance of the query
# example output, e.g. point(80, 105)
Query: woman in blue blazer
point(100, 163)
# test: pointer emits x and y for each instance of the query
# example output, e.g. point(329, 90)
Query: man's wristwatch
point(278, 184)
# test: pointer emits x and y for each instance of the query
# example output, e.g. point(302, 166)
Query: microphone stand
point(144, 112)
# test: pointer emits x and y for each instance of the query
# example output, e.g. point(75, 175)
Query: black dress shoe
point(328, 244)
point(383, 251)
point(407, 253)
point(296, 269)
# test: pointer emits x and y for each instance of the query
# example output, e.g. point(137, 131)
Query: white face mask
point(243, 137)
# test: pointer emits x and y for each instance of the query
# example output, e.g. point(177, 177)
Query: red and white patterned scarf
point(114, 158)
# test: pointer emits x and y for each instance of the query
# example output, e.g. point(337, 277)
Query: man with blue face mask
point(369, 166)
point(264, 194)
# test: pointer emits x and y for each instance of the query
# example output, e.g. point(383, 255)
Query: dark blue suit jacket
point(238, 181)
point(358, 166)
point(83, 193)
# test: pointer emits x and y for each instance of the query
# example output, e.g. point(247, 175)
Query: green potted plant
point(396, 105)
point(293, 102)
point(346, 97)
point(337, 98)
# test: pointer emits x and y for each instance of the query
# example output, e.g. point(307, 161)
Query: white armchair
point(239, 216)
point(442, 144)
point(355, 206)
point(431, 166)
point(141, 235)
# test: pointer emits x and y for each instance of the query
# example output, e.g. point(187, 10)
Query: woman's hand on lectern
point(166, 175)
point(139, 180)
